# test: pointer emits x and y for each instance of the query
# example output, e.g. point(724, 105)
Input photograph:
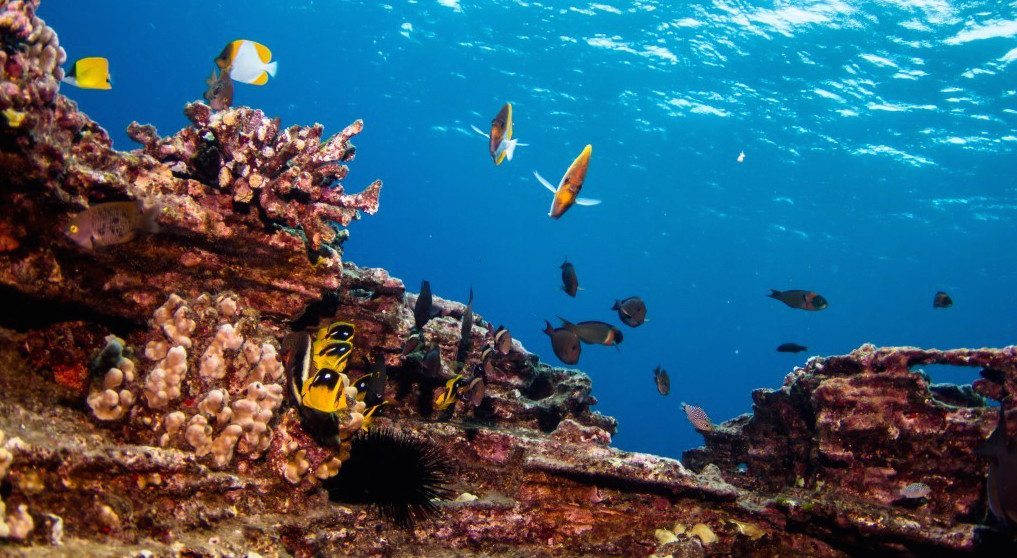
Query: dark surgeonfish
point(791, 348)
point(662, 380)
point(464, 332)
point(570, 283)
point(431, 363)
point(803, 300)
point(565, 343)
point(1001, 485)
point(942, 300)
point(631, 311)
point(375, 393)
point(105, 224)
point(422, 310)
point(567, 192)
point(594, 332)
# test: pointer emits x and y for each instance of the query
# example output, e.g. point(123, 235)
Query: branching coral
point(292, 176)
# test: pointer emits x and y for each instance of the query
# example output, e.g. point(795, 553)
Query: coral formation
point(187, 443)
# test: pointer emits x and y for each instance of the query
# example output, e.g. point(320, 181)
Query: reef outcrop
point(145, 409)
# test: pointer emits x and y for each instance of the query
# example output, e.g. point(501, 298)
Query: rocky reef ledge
point(177, 439)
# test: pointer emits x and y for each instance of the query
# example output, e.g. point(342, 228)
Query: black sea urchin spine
point(400, 474)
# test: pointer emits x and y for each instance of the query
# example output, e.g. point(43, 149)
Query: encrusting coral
point(19, 524)
point(214, 385)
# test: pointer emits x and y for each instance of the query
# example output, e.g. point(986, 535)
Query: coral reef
point(235, 194)
point(146, 391)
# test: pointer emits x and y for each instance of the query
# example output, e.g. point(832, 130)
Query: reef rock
point(145, 410)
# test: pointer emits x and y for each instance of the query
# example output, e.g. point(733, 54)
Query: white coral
point(112, 402)
point(199, 435)
point(163, 383)
point(213, 362)
point(223, 445)
point(173, 422)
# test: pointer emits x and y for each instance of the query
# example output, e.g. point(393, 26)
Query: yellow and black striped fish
point(333, 354)
point(325, 391)
point(336, 331)
point(450, 394)
point(369, 415)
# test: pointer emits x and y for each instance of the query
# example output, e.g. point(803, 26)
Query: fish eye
point(73, 229)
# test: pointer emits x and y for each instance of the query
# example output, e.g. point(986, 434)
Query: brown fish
point(567, 192)
point(791, 348)
point(662, 380)
point(502, 340)
point(631, 311)
point(565, 343)
point(465, 341)
point(803, 300)
point(594, 332)
point(570, 283)
point(220, 90)
point(105, 224)
point(500, 143)
point(473, 393)
point(942, 300)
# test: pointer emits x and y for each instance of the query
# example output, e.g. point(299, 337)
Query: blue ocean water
point(879, 141)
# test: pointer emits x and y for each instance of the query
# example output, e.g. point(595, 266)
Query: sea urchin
point(396, 472)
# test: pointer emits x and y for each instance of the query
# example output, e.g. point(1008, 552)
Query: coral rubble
point(146, 386)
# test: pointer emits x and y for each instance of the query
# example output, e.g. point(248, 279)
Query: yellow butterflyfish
point(333, 354)
point(325, 391)
point(448, 396)
point(90, 73)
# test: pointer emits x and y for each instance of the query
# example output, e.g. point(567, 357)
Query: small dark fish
point(487, 361)
point(422, 310)
point(502, 340)
point(376, 387)
point(662, 380)
point(791, 348)
point(465, 341)
point(105, 224)
point(431, 364)
point(412, 342)
point(697, 416)
point(220, 90)
point(1001, 485)
point(942, 300)
point(631, 311)
point(994, 375)
point(570, 283)
point(915, 491)
point(803, 300)
point(565, 343)
point(594, 332)
point(473, 393)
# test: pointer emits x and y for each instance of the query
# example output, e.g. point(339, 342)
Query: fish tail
point(271, 67)
point(774, 293)
point(510, 148)
point(616, 306)
point(548, 328)
point(150, 218)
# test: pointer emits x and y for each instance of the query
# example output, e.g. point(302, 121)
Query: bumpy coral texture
point(213, 385)
point(291, 175)
point(19, 524)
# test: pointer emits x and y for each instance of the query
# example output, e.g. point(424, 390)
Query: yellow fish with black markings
point(336, 331)
point(90, 73)
point(450, 394)
point(567, 193)
point(325, 391)
point(333, 354)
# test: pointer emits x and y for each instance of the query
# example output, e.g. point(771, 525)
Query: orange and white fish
point(247, 62)
point(568, 189)
point(500, 143)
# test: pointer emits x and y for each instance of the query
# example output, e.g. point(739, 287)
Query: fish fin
point(70, 80)
point(544, 182)
point(587, 201)
point(521, 144)
point(510, 148)
point(774, 293)
point(150, 218)
point(262, 79)
point(564, 321)
point(271, 68)
point(479, 131)
point(264, 54)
